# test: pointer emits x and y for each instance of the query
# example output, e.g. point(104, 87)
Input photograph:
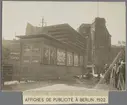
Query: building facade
point(59, 50)
point(99, 41)
point(56, 52)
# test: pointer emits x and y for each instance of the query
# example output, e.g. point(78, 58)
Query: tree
point(122, 43)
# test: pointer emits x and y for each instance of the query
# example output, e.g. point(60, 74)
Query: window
point(35, 59)
point(61, 57)
point(52, 55)
point(81, 60)
point(26, 59)
point(46, 56)
point(69, 59)
point(76, 60)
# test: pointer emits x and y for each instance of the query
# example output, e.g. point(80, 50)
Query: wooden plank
point(82, 43)
point(59, 33)
point(63, 39)
point(52, 29)
point(74, 44)
point(61, 36)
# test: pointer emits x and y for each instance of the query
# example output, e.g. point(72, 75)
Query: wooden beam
point(110, 67)
point(74, 44)
point(59, 33)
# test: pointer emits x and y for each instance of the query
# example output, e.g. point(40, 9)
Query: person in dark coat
point(121, 76)
point(117, 72)
point(112, 76)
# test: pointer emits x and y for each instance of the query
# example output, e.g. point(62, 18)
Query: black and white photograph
point(55, 46)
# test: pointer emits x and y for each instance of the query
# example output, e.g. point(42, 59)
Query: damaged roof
point(61, 32)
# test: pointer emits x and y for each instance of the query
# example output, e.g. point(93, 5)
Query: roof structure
point(61, 32)
point(50, 38)
point(65, 33)
point(84, 29)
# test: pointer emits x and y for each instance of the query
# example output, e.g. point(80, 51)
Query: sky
point(16, 14)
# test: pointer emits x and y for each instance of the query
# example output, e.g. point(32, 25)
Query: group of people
point(116, 76)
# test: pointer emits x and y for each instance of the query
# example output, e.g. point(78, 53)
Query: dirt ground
point(38, 84)
point(83, 83)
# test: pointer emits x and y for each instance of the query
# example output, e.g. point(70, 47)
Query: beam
point(110, 67)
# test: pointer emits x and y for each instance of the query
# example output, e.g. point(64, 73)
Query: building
point(53, 52)
point(90, 44)
point(60, 51)
point(99, 39)
point(11, 56)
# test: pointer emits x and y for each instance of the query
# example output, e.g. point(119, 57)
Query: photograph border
point(15, 98)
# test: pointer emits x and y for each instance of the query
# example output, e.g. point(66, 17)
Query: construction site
point(58, 57)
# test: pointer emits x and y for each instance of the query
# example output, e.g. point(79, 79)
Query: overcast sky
point(16, 14)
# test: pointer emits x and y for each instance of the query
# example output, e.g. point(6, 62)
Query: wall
point(40, 71)
point(45, 71)
point(102, 42)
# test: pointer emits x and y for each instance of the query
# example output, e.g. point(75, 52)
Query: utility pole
point(43, 22)
point(14, 37)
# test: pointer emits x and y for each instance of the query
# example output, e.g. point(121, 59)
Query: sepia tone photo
point(63, 46)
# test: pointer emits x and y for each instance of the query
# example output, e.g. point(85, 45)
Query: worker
point(106, 67)
point(121, 76)
point(117, 73)
point(112, 75)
